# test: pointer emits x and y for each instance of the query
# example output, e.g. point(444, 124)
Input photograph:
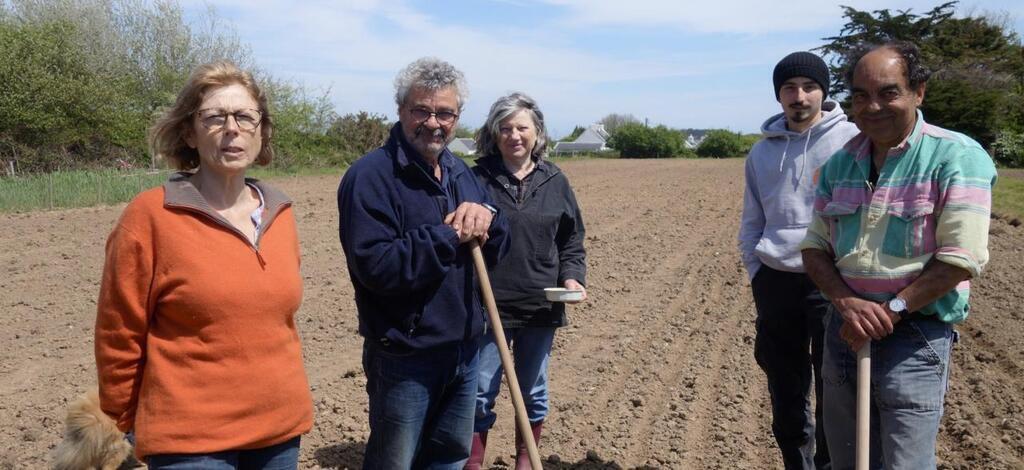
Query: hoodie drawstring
point(782, 160)
point(803, 164)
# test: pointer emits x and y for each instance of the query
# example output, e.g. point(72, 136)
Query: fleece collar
point(180, 192)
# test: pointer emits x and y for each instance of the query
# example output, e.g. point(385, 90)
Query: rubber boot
point(522, 455)
point(476, 455)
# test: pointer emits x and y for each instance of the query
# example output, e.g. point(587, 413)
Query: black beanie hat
point(801, 64)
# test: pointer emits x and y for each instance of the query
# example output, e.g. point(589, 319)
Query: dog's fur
point(91, 439)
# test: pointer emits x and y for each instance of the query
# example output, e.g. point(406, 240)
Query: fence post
point(10, 168)
point(49, 185)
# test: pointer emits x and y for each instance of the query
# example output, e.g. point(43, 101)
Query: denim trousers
point(531, 348)
point(909, 375)
point(788, 347)
point(421, 405)
point(283, 456)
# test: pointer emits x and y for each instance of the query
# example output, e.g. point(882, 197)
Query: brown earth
point(656, 369)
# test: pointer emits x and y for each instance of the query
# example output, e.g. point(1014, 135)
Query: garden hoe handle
point(506, 357)
point(863, 405)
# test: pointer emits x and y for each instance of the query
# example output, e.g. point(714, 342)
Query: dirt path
point(655, 371)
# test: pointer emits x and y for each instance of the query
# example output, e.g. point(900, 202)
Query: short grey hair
point(430, 73)
point(505, 107)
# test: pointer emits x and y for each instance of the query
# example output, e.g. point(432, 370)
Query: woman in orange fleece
point(196, 346)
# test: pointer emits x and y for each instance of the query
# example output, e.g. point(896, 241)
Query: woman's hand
point(571, 284)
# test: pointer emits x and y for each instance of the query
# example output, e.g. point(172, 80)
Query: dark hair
point(915, 71)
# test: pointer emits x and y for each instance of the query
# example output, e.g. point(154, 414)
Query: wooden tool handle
point(506, 358)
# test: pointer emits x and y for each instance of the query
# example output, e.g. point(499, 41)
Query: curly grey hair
point(504, 108)
point(430, 73)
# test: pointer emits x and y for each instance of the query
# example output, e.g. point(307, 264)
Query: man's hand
point(864, 318)
point(571, 284)
point(852, 339)
point(470, 220)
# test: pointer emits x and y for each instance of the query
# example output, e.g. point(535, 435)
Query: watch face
point(897, 305)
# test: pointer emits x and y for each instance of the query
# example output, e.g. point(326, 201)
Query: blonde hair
point(167, 136)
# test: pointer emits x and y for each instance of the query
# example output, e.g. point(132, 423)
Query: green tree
point(634, 140)
point(977, 64)
point(1008, 148)
point(721, 143)
point(301, 125)
point(361, 132)
point(613, 121)
point(52, 97)
point(82, 81)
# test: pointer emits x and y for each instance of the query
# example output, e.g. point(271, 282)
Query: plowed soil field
point(656, 370)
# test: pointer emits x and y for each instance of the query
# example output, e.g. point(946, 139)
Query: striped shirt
point(933, 198)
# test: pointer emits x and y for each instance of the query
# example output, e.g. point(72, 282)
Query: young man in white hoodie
point(777, 208)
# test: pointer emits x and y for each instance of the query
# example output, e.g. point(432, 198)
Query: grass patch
point(67, 189)
point(87, 188)
point(1008, 197)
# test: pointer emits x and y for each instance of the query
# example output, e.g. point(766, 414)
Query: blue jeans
point(909, 374)
point(421, 405)
point(531, 348)
point(788, 348)
point(283, 456)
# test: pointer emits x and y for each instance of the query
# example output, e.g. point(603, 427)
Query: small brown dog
point(92, 440)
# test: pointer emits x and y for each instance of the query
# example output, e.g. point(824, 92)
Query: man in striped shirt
point(901, 225)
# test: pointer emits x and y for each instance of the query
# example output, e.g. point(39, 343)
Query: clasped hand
point(864, 320)
point(470, 220)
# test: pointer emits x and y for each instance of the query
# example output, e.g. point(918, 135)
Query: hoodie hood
point(832, 115)
point(780, 187)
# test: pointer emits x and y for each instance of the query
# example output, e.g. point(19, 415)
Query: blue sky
point(678, 63)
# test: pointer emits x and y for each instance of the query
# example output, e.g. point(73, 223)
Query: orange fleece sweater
point(196, 344)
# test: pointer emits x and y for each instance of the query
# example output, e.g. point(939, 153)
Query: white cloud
point(354, 48)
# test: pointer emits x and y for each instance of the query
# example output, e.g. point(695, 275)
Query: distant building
point(594, 139)
point(463, 146)
point(693, 142)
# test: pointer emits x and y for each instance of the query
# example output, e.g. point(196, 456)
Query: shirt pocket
point(843, 225)
point(911, 229)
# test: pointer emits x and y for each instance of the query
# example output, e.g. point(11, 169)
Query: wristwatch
point(494, 210)
point(899, 307)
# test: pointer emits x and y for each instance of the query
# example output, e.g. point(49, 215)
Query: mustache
point(439, 132)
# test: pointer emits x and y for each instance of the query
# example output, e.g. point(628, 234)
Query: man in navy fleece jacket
point(407, 211)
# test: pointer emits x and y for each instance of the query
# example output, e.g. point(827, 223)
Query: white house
point(693, 142)
point(462, 145)
point(594, 139)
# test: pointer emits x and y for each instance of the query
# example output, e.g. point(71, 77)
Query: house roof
point(594, 133)
point(462, 145)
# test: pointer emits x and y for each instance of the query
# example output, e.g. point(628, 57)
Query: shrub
point(361, 132)
point(721, 143)
point(634, 140)
point(81, 81)
point(1008, 148)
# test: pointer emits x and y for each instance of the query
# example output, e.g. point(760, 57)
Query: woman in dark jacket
point(546, 233)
